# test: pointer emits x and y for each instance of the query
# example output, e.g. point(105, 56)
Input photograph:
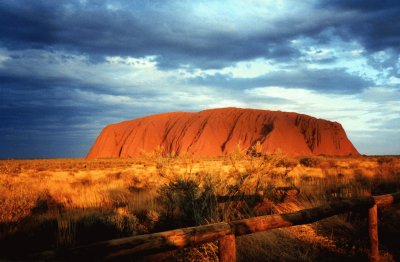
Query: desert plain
point(57, 204)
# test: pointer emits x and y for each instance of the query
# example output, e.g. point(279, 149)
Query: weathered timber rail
point(225, 232)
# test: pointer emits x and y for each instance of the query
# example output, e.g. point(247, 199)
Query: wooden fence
point(225, 232)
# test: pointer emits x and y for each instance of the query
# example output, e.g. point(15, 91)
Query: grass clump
point(187, 203)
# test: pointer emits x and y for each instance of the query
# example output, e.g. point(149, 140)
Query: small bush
point(309, 162)
point(286, 162)
point(44, 203)
point(97, 227)
point(185, 203)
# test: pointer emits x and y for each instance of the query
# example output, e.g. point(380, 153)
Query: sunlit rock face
point(217, 132)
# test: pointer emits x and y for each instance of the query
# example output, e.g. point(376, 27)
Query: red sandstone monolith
point(216, 132)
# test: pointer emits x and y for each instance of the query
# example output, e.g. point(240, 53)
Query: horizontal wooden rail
point(224, 231)
point(305, 216)
point(387, 200)
point(151, 243)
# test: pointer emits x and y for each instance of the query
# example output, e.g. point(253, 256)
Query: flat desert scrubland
point(62, 203)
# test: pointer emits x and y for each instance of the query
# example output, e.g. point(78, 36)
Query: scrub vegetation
point(62, 203)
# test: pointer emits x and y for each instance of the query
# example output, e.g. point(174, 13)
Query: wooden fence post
point(373, 232)
point(227, 248)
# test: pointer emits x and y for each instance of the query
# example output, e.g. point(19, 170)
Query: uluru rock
point(216, 132)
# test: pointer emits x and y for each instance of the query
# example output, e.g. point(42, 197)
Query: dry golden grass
point(66, 202)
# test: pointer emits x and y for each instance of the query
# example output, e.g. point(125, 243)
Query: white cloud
point(394, 80)
point(104, 99)
point(352, 112)
point(4, 57)
point(245, 69)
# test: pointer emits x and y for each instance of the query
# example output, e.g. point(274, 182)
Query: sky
point(68, 68)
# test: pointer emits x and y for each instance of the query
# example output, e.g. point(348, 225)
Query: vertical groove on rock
point(230, 132)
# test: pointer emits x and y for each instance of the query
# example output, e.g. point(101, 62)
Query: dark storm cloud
point(31, 130)
point(49, 117)
point(321, 80)
point(61, 116)
point(375, 23)
point(26, 83)
point(140, 30)
point(362, 5)
point(226, 52)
